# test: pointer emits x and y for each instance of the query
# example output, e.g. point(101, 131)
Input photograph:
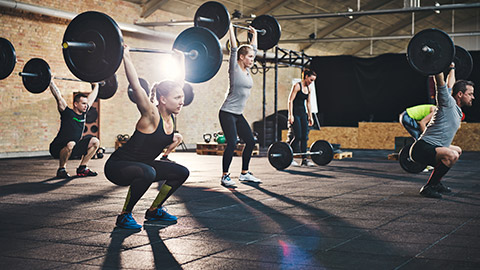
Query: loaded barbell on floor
point(36, 77)
point(93, 49)
point(214, 16)
point(408, 164)
point(280, 154)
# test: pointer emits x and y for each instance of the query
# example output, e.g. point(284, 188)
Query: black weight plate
point(463, 63)
point(188, 94)
point(209, 59)
point(109, 89)
point(274, 31)
point(408, 164)
point(216, 11)
point(92, 115)
point(41, 82)
point(145, 85)
point(102, 62)
point(8, 58)
point(280, 155)
point(326, 150)
point(439, 60)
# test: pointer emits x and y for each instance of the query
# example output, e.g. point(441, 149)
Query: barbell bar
point(209, 20)
point(299, 154)
point(26, 74)
point(91, 46)
point(280, 154)
point(93, 49)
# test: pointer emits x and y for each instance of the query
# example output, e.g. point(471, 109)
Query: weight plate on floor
point(280, 155)
point(407, 163)
point(326, 152)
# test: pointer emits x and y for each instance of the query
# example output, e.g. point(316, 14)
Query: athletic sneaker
point(248, 177)
point(226, 181)
point(430, 192)
point(85, 172)
point(308, 163)
point(294, 163)
point(440, 188)
point(160, 214)
point(62, 173)
point(127, 221)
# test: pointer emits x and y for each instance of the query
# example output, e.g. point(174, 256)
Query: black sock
point(82, 167)
point(437, 174)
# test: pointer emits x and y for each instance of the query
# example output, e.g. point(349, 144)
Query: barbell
point(93, 49)
point(407, 163)
point(36, 76)
point(214, 16)
point(187, 91)
point(431, 51)
point(8, 58)
point(280, 154)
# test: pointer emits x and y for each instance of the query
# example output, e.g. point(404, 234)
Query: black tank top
point(144, 147)
point(299, 101)
point(71, 127)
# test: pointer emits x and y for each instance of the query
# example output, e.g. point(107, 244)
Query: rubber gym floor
point(357, 213)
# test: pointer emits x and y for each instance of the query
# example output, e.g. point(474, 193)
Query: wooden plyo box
point(214, 148)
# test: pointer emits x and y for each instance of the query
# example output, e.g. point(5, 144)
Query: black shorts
point(424, 153)
point(79, 149)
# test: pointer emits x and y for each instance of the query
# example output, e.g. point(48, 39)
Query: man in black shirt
point(69, 139)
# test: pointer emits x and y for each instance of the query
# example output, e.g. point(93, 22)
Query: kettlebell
point(207, 137)
point(221, 139)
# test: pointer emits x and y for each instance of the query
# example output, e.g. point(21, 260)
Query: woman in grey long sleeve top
point(231, 113)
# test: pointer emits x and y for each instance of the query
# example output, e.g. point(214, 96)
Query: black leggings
point(139, 176)
point(300, 130)
point(233, 124)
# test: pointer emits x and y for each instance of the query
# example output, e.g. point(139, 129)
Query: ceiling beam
point(388, 31)
point(270, 7)
point(151, 6)
point(343, 22)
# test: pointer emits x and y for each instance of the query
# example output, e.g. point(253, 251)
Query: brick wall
point(28, 122)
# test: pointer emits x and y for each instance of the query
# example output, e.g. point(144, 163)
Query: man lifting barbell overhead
point(231, 116)
point(434, 145)
point(134, 163)
point(69, 141)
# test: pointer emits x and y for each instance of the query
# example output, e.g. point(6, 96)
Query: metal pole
point(264, 67)
point(332, 15)
point(352, 39)
point(376, 12)
point(275, 129)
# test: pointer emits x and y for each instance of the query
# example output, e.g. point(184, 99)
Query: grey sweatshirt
point(445, 121)
point(241, 83)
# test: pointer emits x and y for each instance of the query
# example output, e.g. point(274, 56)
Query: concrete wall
point(28, 122)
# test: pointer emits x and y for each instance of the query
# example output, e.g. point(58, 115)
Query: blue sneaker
point(159, 214)
point(127, 221)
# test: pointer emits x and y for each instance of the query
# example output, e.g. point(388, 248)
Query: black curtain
point(352, 89)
